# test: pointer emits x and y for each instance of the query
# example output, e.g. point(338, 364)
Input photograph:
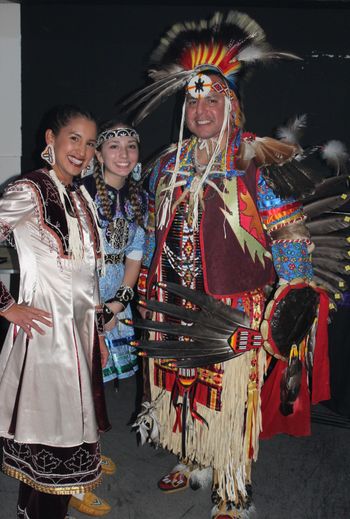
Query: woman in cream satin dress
point(51, 396)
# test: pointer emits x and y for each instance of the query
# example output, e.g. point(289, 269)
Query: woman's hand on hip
point(26, 317)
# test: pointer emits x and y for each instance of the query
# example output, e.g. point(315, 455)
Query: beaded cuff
point(99, 320)
point(123, 295)
point(107, 314)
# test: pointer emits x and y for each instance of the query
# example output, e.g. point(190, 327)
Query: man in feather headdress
point(223, 220)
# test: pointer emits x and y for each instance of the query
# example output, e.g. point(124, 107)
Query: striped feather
point(328, 224)
point(338, 267)
point(325, 205)
point(154, 102)
point(205, 360)
point(333, 241)
point(331, 277)
point(195, 332)
point(329, 187)
point(336, 253)
point(324, 283)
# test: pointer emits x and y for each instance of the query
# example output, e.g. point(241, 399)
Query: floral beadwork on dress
point(117, 233)
point(43, 466)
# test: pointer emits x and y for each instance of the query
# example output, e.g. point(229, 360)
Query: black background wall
point(95, 54)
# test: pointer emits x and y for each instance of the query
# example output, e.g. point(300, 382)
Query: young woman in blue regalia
point(117, 192)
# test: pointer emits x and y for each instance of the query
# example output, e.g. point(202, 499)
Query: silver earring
point(136, 172)
point(48, 154)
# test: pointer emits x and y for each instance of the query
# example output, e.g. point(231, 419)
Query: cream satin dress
point(54, 398)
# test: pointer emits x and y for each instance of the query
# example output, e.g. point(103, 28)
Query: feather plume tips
point(335, 154)
point(292, 131)
point(220, 41)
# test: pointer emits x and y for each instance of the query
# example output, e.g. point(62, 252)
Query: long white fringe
point(74, 239)
point(221, 446)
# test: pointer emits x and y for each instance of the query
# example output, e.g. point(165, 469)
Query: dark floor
point(307, 478)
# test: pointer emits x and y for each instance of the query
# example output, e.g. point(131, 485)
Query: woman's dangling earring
point(136, 172)
point(102, 166)
point(48, 154)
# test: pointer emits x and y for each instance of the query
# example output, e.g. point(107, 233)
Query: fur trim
point(146, 423)
point(201, 478)
point(180, 467)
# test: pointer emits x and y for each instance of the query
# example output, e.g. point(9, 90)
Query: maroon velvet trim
point(50, 207)
point(12, 427)
point(53, 469)
point(6, 299)
point(99, 320)
point(97, 388)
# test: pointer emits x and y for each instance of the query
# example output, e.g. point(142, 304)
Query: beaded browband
point(119, 132)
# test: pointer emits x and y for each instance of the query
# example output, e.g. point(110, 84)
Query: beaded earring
point(136, 172)
point(48, 154)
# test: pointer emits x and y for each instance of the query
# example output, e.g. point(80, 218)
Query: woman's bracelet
point(123, 295)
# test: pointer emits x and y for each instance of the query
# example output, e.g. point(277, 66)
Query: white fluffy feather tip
point(335, 154)
point(293, 129)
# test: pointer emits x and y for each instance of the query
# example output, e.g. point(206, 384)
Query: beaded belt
point(112, 259)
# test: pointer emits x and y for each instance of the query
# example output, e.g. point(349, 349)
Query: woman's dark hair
point(133, 189)
point(60, 116)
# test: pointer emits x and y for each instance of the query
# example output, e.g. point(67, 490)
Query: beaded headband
point(119, 132)
point(201, 85)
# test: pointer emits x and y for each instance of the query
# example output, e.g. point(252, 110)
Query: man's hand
point(26, 316)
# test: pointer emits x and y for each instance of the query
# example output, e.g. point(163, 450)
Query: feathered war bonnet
point(225, 46)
